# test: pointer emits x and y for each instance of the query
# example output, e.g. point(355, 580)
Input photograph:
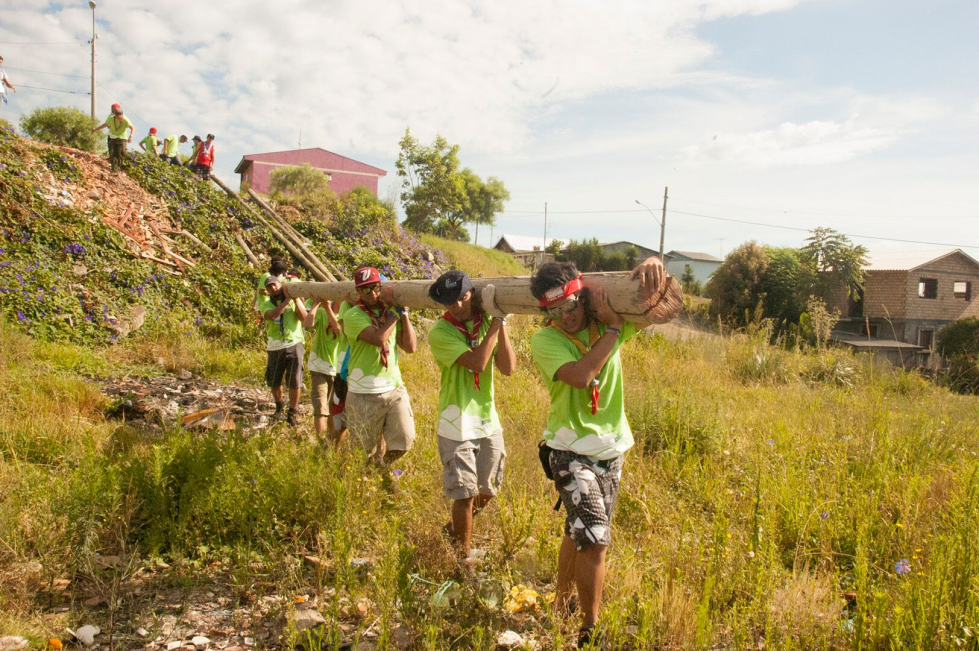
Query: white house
point(702, 264)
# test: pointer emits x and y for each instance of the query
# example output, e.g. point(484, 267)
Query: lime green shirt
point(171, 146)
point(151, 143)
point(366, 373)
point(259, 287)
point(324, 357)
point(571, 425)
point(465, 413)
point(118, 126)
point(285, 331)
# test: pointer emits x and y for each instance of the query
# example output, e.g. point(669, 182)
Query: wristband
point(615, 330)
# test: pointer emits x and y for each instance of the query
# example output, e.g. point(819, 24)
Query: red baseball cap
point(366, 276)
point(116, 106)
point(152, 129)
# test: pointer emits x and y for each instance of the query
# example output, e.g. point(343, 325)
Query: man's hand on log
point(600, 307)
point(487, 298)
point(650, 273)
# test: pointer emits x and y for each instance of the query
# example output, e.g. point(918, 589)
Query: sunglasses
point(563, 308)
point(367, 291)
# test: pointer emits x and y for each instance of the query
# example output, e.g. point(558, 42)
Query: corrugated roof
point(315, 156)
point(524, 242)
point(908, 260)
point(695, 255)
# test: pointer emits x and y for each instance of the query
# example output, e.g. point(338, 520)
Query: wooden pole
point(248, 252)
point(662, 226)
point(627, 297)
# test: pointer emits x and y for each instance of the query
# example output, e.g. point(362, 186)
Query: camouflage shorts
point(588, 489)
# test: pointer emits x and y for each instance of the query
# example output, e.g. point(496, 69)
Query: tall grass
point(770, 498)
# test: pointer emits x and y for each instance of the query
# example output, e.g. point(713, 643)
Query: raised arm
point(407, 339)
point(505, 358)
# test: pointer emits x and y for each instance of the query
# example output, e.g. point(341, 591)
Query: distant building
point(908, 297)
point(623, 247)
point(702, 264)
point(530, 251)
point(343, 174)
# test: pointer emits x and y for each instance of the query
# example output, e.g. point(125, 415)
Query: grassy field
point(795, 501)
point(476, 261)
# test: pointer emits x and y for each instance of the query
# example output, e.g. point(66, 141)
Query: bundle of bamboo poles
point(636, 303)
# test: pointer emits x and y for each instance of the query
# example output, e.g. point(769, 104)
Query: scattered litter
point(509, 640)
point(200, 642)
point(142, 632)
point(13, 643)
point(86, 634)
point(521, 598)
point(218, 419)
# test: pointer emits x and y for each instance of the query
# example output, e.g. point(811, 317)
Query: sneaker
point(588, 638)
point(292, 418)
point(279, 406)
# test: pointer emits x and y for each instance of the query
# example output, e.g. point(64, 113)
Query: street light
point(661, 222)
point(91, 3)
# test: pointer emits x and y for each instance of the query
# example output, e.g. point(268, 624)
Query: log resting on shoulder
point(640, 305)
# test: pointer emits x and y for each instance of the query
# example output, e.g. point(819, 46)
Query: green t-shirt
point(259, 286)
point(285, 331)
point(366, 373)
point(118, 126)
point(327, 345)
point(571, 425)
point(151, 142)
point(171, 146)
point(465, 413)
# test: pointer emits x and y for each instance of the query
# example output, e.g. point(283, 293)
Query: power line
point(807, 230)
point(824, 214)
point(43, 43)
point(53, 90)
point(41, 72)
point(133, 112)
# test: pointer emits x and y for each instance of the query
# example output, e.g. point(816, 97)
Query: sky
point(764, 118)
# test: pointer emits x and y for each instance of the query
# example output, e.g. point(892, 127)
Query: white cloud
point(812, 143)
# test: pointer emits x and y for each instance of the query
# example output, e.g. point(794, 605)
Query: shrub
point(64, 126)
point(960, 338)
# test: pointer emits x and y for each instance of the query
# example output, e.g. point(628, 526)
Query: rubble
point(193, 401)
point(13, 643)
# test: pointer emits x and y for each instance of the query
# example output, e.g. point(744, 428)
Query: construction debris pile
point(140, 217)
point(163, 401)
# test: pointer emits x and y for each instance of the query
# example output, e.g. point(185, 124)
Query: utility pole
point(91, 3)
point(543, 246)
point(300, 138)
point(662, 226)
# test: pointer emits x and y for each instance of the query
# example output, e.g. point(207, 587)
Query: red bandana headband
point(556, 294)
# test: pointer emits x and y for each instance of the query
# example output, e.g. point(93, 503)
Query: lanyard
point(593, 336)
point(471, 337)
point(376, 322)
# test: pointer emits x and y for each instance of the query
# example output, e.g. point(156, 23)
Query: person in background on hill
point(323, 363)
point(4, 84)
point(117, 124)
point(284, 318)
point(150, 142)
point(205, 158)
point(378, 410)
point(192, 159)
point(171, 149)
point(467, 342)
point(587, 432)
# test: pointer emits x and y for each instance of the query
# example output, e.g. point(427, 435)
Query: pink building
point(344, 174)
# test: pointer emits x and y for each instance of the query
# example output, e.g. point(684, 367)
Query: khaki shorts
point(472, 467)
point(371, 415)
point(322, 393)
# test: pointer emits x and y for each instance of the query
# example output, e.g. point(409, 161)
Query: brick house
point(909, 296)
point(342, 173)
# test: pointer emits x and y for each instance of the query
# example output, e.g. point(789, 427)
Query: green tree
point(737, 287)
point(781, 284)
point(632, 256)
point(306, 188)
point(687, 278)
point(832, 262)
point(64, 126)
point(587, 255)
point(440, 197)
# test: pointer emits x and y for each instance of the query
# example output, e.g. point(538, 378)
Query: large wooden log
point(627, 297)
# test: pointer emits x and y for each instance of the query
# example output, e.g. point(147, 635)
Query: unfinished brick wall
point(947, 271)
point(885, 294)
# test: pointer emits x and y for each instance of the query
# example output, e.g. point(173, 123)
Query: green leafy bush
point(65, 126)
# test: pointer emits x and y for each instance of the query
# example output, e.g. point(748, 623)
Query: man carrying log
point(587, 432)
point(324, 363)
point(117, 124)
point(467, 342)
point(378, 411)
point(284, 318)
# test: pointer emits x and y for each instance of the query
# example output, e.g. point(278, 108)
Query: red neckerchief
point(471, 337)
point(376, 322)
point(593, 336)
